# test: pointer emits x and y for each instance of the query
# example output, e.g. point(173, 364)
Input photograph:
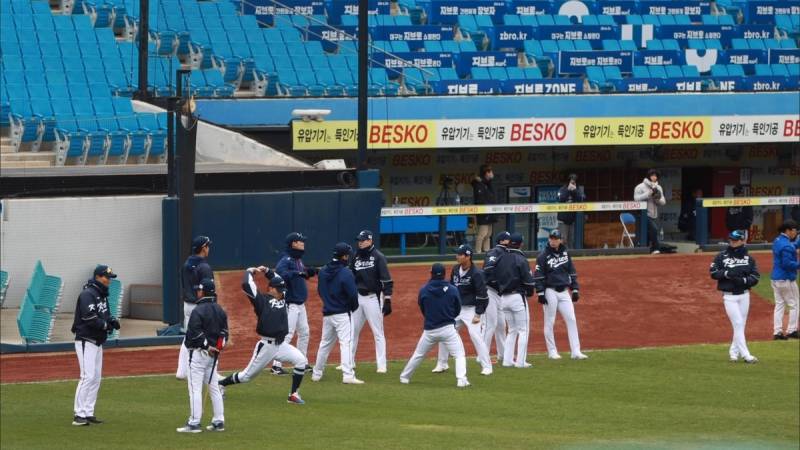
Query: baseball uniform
point(374, 284)
point(92, 324)
point(440, 305)
point(736, 272)
point(555, 276)
point(205, 335)
point(337, 289)
point(272, 324)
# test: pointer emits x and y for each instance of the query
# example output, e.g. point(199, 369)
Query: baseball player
point(195, 268)
point(92, 324)
point(495, 322)
point(514, 283)
point(736, 272)
point(273, 327)
point(295, 273)
point(205, 337)
point(337, 289)
point(440, 305)
point(555, 276)
point(472, 291)
point(374, 295)
point(784, 280)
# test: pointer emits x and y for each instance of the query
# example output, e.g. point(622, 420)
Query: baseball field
point(658, 377)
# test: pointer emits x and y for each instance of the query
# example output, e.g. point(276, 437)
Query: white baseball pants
point(183, 356)
point(452, 342)
point(561, 302)
point(370, 309)
point(200, 362)
point(737, 307)
point(494, 325)
point(786, 296)
point(515, 309)
point(265, 351)
point(298, 322)
point(465, 320)
point(336, 327)
point(90, 359)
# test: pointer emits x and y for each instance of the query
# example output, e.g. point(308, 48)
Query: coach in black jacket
point(91, 325)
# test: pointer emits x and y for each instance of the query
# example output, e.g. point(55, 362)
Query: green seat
point(115, 292)
point(3, 286)
point(34, 324)
point(45, 290)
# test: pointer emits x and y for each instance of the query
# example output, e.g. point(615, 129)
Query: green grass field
point(677, 397)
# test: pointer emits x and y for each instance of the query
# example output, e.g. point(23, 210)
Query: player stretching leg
point(554, 274)
point(438, 300)
point(736, 272)
point(495, 325)
point(273, 326)
point(472, 290)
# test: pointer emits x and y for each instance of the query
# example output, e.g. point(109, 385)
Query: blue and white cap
point(736, 235)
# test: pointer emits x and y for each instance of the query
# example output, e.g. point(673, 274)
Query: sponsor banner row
point(471, 133)
point(522, 208)
point(750, 201)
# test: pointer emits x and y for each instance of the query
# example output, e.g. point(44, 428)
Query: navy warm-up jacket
point(440, 304)
point(337, 288)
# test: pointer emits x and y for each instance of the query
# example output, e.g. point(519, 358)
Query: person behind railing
point(739, 217)
point(650, 191)
point(688, 219)
point(483, 194)
point(569, 193)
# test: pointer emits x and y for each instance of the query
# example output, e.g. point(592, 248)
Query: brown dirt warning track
point(625, 302)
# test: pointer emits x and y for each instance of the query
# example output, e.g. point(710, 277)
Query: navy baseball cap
point(208, 286)
point(437, 272)
point(199, 242)
point(342, 249)
point(364, 235)
point(104, 271)
point(736, 235)
point(277, 282)
point(516, 239)
point(503, 236)
point(294, 237)
point(555, 233)
point(464, 249)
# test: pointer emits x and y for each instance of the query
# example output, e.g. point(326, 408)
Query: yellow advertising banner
point(342, 135)
point(750, 201)
point(643, 130)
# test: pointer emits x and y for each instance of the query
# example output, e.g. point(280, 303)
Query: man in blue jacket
point(784, 279)
point(291, 268)
point(337, 289)
point(440, 304)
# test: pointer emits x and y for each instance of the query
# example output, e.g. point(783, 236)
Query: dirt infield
point(625, 302)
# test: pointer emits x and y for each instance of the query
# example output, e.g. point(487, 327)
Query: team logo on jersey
point(445, 288)
point(492, 258)
point(277, 304)
point(736, 262)
point(362, 264)
point(557, 261)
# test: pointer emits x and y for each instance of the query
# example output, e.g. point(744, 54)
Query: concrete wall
point(72, 235)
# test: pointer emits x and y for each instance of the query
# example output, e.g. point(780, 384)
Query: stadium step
point(5, 145)
point(27, 159)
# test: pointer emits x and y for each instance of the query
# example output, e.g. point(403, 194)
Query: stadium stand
point(67, 74)
point(37, 311)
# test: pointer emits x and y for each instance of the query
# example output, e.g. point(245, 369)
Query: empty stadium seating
point(66, 74)
point(3, 286)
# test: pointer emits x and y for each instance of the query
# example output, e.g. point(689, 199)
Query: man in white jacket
point(650, 191)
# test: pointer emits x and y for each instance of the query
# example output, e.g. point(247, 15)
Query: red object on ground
point(625, 302)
